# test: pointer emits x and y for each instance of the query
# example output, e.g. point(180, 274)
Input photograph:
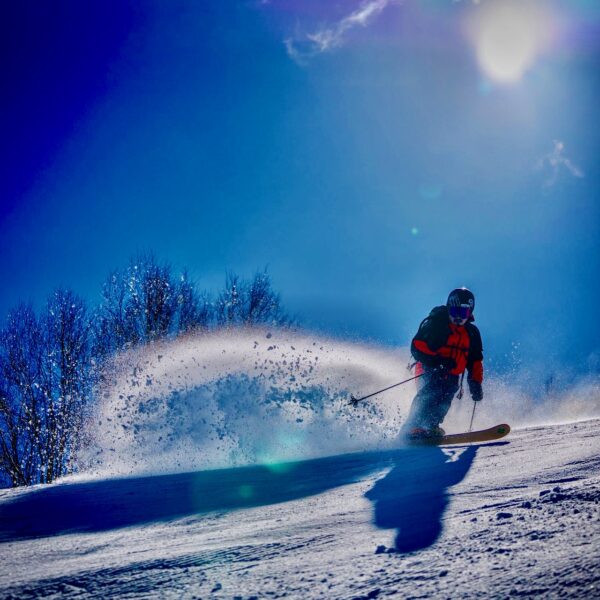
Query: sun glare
point(508, 37)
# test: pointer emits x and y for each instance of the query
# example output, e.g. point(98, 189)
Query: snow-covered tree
point(249, 302)
point(263, 304)
point(230, 301)
point(23, 396)
point(50, 363)
point(194, 310)
point(69, 367)
point(139, 304)
point(46, 373)
point(112, 328)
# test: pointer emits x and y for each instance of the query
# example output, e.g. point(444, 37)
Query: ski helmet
point(461, 303)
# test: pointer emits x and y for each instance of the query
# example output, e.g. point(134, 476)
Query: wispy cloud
point(555, 162)
point(304, 47)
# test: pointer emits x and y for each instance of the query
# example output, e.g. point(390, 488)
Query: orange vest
point(455, 347)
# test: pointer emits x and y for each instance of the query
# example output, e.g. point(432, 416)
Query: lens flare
point(246, 492)
point(508, 38)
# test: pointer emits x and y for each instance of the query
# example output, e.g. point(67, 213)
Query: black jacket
point(434, 341)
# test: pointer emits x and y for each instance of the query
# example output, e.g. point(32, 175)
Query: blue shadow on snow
point(413, 496)
point(102, 505)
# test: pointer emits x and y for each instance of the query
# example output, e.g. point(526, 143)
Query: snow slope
point(512, 518)
point(231, 465)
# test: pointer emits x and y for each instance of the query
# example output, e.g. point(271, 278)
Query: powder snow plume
point(243, 396)
point(247, 396)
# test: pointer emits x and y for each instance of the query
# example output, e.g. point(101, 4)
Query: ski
point(485, 435)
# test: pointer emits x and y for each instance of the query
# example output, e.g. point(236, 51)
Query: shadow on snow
point(411, 497)
point(102, 505)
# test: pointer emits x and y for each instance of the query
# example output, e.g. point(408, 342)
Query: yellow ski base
point(485, 435)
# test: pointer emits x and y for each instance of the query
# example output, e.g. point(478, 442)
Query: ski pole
point(354, 401)
point(461, 389)
point(472, 416)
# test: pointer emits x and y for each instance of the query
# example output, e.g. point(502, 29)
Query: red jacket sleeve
point(476, 371)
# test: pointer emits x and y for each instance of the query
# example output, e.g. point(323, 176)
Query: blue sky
point(373, 154)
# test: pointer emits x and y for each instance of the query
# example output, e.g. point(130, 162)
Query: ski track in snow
point(291, 508)
point(516, 519)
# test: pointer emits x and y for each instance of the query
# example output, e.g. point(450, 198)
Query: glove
point(476, 390)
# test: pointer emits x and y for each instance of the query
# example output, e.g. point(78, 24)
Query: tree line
point(50, 360)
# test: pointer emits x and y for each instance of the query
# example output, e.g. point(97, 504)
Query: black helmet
point(461, 297)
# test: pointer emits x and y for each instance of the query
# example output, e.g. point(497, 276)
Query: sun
point(508, 37)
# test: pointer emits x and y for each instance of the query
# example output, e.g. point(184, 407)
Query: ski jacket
point(458, 347)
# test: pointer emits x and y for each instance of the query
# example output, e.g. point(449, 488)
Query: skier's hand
point(476, 390)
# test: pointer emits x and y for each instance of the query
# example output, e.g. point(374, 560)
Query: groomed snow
point(189, 493)
point(519, 517)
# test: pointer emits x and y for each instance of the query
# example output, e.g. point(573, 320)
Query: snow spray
point(266, 396)
point(242, 396)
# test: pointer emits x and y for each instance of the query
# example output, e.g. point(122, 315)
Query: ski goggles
point(460, 312)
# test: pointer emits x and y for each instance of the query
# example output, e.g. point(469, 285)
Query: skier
point(446, 344)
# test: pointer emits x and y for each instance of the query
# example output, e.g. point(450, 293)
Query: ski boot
point(437, 431)
point(417, 433)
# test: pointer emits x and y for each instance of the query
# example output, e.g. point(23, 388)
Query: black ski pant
point(433, 400)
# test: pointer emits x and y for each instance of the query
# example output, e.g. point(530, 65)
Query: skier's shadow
point(107, 504)
point(413, 496)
